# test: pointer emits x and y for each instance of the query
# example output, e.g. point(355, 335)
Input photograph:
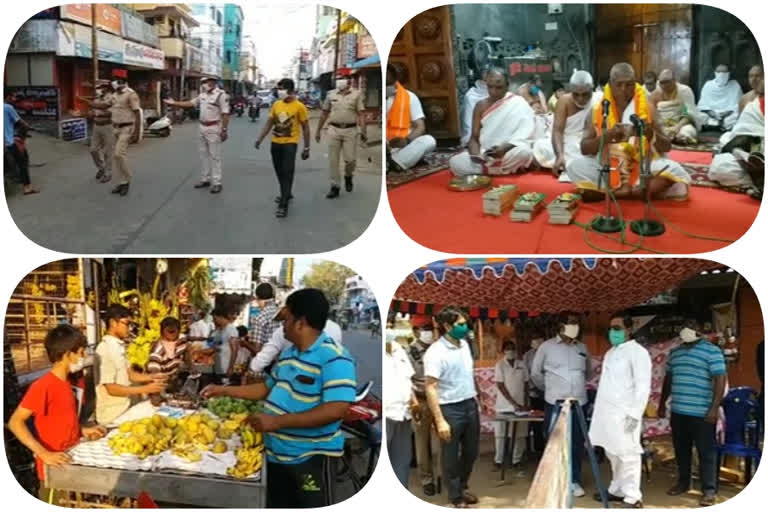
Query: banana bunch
point(250, 438)
point(249, 461)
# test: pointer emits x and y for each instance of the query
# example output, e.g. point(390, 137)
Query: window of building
point(237, 30)
point(218, 18)
point(229, 57)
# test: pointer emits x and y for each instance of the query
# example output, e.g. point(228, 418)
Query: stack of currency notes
point(527, 206)
point(499, 199)
point(563, 209)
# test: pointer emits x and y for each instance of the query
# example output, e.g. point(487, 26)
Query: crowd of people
point(117, 118)
point(507, 131)
point(432, 396)
point(305, 377)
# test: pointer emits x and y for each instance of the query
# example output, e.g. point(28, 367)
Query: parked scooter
point(158, 126)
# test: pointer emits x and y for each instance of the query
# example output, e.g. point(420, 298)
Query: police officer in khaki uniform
point(343, 109)
point(126, 121)
point(214, 127)
point(103, 135)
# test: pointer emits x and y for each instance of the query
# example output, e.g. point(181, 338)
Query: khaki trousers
point(342, 143)
point(210, 153)
point(103, 147)
point(122, 141)
point(427, 445)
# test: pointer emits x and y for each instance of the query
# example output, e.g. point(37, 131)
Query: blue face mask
point(535, 89)
point(617, 337)
point(459, 331)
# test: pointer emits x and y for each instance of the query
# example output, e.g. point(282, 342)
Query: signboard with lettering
point(231, 275)
point(141, 55)
point(110, 47)
point(36, 103)
point(35, 36)
point(194, 58)
point(133, 27)
point(107, 17)
point(366, 47)
point(73, 130)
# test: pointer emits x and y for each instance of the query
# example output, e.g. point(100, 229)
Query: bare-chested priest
point(678, 115)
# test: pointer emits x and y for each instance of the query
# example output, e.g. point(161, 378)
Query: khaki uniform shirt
point(112, 368)
point(212, 105)
point(103, 114)
point(126, 102)
point(344, 108)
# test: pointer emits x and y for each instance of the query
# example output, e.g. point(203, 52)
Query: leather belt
point(209, 123)
point(343, 125)
point(102, 122)
point(121, 125)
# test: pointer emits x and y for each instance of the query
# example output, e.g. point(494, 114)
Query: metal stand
point(606, 223)
point(582, 426)
point(646, 226)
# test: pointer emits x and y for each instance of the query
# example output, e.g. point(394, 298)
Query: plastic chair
point(742, 427)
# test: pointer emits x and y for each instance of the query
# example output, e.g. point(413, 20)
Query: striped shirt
point(160, 361)
point(299, 382)
point(692, 370)
point(265, 324)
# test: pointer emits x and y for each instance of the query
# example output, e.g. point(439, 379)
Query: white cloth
point(685, 94)
point(471, 98)
point(333, 330)
point(112, 367)
point(278, 342)
point(210, 146)
point(200, 329)
point(517, 158)
point(415, 106)
point(223, 349)
point(543, 150)
point(397, 373)
point(453, 368)
point(721, 99)
point(514, 376)
point(521, 433)
point(561, 370)
point(626, 472)
point(542, 125)
point(411, 154)
point(623, 390)
point(725, 168)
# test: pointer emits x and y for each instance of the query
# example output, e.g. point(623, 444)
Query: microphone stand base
point(604, 224)
point(647, 227)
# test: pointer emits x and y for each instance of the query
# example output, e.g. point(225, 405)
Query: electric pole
point(336, 50)
point(94, 47)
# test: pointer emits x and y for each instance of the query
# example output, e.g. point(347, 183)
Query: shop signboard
point(108, 18)
point(36, 103)
point(231, 275)
point(366, 47)
point(35, 36)
point(194, 58)
point(110, 47)
point(74, 129)
point(150, 35)
point(137, 54)
point(133, 27)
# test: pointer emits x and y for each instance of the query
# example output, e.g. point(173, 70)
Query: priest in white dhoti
point(617, 419)
point(719, 99)
point(754, 77)
point(678, 115)
point(407, 140)
point(742, 164)
point(475, 94)
point(626, 97)
point(502, 131)
point(571, 113)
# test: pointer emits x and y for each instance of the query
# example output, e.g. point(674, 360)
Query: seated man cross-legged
point(626, 97)
point(678, 115)
point(502, 127)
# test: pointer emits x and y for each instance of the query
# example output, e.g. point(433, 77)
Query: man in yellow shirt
point(285, 117)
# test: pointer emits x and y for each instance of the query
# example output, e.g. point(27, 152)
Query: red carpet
point(690, 157)
point(453, 222)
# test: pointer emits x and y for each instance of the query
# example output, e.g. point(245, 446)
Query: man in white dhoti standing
point(720, 98)
point(502, 127)
point(676, 105)
point(617, 420)
point(475, 94)
point(571, 112)
point(625, 97)
point(742, 161)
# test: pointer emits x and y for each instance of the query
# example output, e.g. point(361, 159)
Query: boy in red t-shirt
point(51, 401)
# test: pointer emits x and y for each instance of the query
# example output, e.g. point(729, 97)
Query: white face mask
point(76, 367)
point(509, 354)
point(688, 335)
point(342, 84)
point(426, 337)
point(209, 87)
point(571, 330)
point(282, 94)
point(391, 90)
point(722, 77)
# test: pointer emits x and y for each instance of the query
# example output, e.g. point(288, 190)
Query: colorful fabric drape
point(399, 116)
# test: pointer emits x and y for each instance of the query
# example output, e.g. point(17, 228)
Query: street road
point(164, 214)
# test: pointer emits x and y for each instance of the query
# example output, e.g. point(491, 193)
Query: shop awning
point(371, 61)
point(545, 285)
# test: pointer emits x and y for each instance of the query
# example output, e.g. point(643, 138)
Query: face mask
point(509, 354)
point(617, 337)
point(341, 84)
point(426, 337)
point(282, 93)
point(391, 90)
point(535, 344)
point(459, 331)
point(722, 77)
point(571, 330)
point(535, 89)
point(688, 335)
point(76, 367)
point(210, 87)
point(116, 84)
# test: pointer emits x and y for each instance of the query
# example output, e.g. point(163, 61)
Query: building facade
point(359, 300)
point(233, 36)
point(208, 36)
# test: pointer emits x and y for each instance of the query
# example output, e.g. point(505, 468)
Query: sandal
point(470, 498)
point(282, 211)
point(31, 191)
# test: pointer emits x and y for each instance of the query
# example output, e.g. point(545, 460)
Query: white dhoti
point(626, 473)
point(672, 112)
point(725, 168)
point(718, 100)
point(411, 154)
point(727, 171)
point(544, 152)
point(516, 159)
point(520, 437)
point(508, 121)
point(585, 173)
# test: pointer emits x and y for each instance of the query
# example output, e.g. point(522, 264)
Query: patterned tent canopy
point(548, 285)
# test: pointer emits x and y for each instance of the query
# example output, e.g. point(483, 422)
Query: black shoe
point(99, 175)
point(348, 183)
point(496, 467)
point(215, 189)
point(118, 189)
point(708, 499)
point(393, 166)
point(611, 497)
point(282, 211)
point(279, 198)
point(124, 190)
point(677, 490)
point(334, 193)
point(106, 178)
point(203, 184)
point(430, 490)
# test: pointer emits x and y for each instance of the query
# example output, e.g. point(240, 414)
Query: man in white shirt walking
point(511, 378)
point(398, 400)
point(617, 421)
point(452, 399)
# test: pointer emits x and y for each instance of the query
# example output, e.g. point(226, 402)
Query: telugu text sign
point(140, 55)
point(107, 17)
point(36, 102)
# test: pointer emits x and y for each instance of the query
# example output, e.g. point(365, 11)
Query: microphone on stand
point(645, 226)
point(606, 109)
point(637, 122)
point(606, 223)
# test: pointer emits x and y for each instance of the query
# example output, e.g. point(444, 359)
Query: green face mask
point(459, 331)
point(617, 337)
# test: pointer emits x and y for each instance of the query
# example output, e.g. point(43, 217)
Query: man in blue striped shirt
point(306, 395)
point(695, 380)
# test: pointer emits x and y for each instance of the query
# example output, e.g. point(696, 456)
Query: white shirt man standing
point(617, 420)
point(511, 377)
point(398, 401)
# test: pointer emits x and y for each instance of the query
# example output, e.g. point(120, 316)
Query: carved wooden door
point(423, 54)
